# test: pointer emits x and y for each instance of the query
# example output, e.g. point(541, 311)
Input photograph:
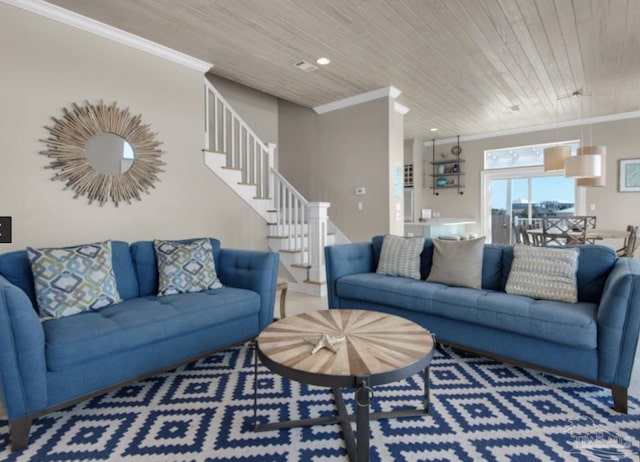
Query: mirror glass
point(109, 153)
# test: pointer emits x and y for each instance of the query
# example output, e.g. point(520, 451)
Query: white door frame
point(487, 176)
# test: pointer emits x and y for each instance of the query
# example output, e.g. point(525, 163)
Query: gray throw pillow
point(400, 256)
point(544, 273)
point(457, 263)
point(70, 280)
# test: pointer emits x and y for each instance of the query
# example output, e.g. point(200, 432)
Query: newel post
point(271, 165)
point(318, 218)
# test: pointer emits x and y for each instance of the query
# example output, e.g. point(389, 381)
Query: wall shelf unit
point(446, 174)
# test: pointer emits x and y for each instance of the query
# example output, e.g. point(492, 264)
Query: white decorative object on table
point(324, 341)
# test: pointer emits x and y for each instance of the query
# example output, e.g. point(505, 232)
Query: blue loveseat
point(593, 340)
point(50, 364)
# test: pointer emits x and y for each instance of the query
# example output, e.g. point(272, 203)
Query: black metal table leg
point(426, 390)
point(255, 385)
point(363, 401)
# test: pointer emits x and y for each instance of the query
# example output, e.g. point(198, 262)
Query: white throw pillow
point(544, 273)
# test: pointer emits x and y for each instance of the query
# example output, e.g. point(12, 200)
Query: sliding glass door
point(513, 196)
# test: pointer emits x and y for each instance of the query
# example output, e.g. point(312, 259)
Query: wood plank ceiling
point(461, 64)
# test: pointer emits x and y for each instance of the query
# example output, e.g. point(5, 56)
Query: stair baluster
point(302, 226)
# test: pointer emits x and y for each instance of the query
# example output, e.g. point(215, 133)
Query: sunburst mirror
point(103, 152)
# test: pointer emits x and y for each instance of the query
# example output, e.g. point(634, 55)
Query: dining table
point(593, 234)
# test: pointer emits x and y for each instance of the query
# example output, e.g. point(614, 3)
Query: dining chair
point(578, 226)
point(564, 230)
point(591, 224)
point(522, 236)
point(630, 242)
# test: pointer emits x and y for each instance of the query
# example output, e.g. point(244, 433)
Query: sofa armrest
point(23, 380)
point(252, 270)
point(341, 260)
point(619, 322)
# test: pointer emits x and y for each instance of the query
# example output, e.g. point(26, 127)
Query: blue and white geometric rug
point(480, 410)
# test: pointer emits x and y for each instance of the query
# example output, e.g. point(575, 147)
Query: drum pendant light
point(597, 181)
point(588, 164)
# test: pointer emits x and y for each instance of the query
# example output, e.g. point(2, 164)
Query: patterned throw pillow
point(457, 263)
point(185, 267)
point(544, 273)
point(400, 256)
point(71, 280)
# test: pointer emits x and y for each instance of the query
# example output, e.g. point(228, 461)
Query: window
point(516, 189)
point(522, 156)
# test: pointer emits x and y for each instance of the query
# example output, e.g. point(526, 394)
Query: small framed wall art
point(629, 175)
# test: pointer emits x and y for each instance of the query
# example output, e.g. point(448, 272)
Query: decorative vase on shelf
point(440, 169)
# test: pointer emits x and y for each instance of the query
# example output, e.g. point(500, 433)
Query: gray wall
point(46, 66)
point(326, 157)
point(258, 109)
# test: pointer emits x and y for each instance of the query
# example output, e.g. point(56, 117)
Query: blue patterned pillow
point(400, 256)
point(185, 267)
point(71, 280)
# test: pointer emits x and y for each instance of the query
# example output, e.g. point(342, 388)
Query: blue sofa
point(593, 340)
point(49, 364)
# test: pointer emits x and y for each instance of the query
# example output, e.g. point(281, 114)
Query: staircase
point(297, 229)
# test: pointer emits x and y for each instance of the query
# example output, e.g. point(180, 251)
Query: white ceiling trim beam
point(111, 33)
point(400, 108)
point(518, 131)
point(384, 92)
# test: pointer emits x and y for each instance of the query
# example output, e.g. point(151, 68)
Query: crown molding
point(400, 108)
point(384, 92)
point(537, 128)
point(100, 29)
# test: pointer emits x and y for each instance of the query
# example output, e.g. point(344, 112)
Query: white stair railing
point(302, 226)
point(292, 217)
point(226, 132)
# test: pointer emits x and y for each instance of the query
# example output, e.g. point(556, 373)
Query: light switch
point(359, 205)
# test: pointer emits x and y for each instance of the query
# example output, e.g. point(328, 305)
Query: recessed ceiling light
point(323, 61)
point(434, 129)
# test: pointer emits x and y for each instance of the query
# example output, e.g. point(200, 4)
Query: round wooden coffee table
point(378, 348)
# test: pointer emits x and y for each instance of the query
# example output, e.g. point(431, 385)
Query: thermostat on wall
point(360, 191)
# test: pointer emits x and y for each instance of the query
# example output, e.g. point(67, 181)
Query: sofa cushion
point(70, 280)
point(76, 340)
point(15, 267)
point(400, 256)
point(595, 262)
point(458, 263)
point(123, 268)
point(559, 322)
point(492, 261)
point(185, 267)
point(544, 272)
point(145, 263)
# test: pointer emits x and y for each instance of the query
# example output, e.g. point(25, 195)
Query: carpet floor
point(481, 410)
